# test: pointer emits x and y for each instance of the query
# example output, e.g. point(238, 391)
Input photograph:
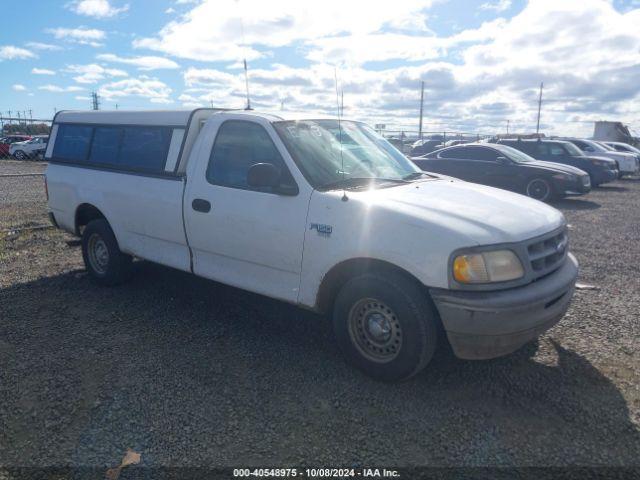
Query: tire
point(539, 189)
point(20, 155)
point(104, 261)
point(385, 325)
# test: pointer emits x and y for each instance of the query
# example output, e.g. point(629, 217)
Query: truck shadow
point(171, 363)
point(575, 204)
point(612, 188)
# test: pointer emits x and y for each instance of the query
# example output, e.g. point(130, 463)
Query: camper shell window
point(134, 148)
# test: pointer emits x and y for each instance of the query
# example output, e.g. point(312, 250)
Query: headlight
point(487, 267)
point(563, 176)
point(601, 163)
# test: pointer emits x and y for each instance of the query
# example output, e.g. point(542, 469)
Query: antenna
point(335, 75)
point(539, 107)
point(244, 61)
point(246, 83)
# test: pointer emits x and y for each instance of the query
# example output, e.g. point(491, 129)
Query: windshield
point(514, 154)
point(573, 150)
point(327, 157)
point(608, 148)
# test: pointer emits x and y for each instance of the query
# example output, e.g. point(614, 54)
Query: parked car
point(628, 163)
point(28, 149)
point(275, 205)
point(422, 147)
point(623, 147)
point(600, 169)
point(507, 168)
point(7, 140)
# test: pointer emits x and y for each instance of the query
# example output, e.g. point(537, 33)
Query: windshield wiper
point(357, 182)
point(414, 175)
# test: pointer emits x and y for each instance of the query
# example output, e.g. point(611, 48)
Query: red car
point(8, 140)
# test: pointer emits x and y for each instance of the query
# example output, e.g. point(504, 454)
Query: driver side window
point(238, 146)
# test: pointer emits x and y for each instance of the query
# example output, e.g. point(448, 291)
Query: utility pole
point(95, 101)
point(421, 105)
point(539, 107)
point(507, 127)
point(342, 102)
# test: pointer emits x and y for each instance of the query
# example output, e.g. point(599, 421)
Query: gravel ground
point(193, 373)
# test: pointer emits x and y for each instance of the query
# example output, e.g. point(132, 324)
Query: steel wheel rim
point(538, 189)
point(375, 330)
point(98, 254)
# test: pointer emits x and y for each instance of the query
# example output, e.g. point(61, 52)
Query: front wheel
point(385, 325)
point(20, 155)
point(540, 189)
point(104, 261)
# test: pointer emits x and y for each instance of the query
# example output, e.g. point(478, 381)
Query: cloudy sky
point(482, 61)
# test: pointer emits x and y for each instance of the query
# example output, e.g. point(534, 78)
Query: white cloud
point(585, 51)
point(58, 89)
point(143, 63)
point(93, 73)
point(498, 5)
point(213, 29)
point(96, 8)
point(153, 89)
point(43, 46)
point(81, 35)
point(10, 52)
point(19, 87)
point(42, 71)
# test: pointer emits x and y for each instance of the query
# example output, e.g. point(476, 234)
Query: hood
point(484, 215)
point(556, 167)
point(612, 163)
point(618, 155)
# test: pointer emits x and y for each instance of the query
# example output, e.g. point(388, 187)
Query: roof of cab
point(170, 117)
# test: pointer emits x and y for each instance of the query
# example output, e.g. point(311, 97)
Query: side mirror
point(503, 160)
point(266, 175)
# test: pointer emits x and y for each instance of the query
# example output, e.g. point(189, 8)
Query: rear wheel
point(104, 261)
point(20, 155)
point(385, 325)
point(540, 189)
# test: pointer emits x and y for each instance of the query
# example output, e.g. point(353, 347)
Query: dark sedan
point(507, 168)
point(601, 170)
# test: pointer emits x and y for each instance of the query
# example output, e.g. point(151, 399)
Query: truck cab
point(319, 212)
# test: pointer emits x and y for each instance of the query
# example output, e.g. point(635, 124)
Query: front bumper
point(574, 187)
point(489, 324)
point(604, 176)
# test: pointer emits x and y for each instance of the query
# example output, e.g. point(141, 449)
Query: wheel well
point(86, 213)
point(344, 271)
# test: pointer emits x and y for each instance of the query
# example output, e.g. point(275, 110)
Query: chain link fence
point(23, 138)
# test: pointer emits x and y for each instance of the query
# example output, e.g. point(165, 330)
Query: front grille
point(548, 253)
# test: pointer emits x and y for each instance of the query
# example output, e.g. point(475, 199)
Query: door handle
point(200, 205)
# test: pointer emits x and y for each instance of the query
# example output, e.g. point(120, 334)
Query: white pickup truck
point(318, 212)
